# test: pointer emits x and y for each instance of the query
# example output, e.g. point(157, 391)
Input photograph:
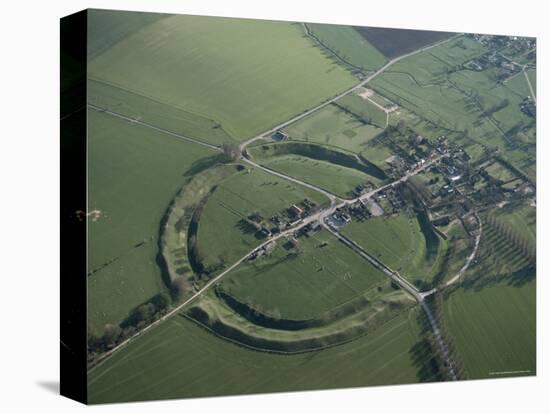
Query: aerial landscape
point(280, 206)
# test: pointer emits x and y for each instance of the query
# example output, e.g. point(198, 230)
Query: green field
point(134, 173)
point(107, 27)
point(458, 51)
point(333, 178)
point(522, 219)
point(303, 286)
point(494, 329)
point(400, 243)
point(364, 108)
point(499, 172)
point(247, 75)
point(532, 75)
point(148, 110)
point(471, 106)
point(490, 95)
point(345, 42)
point(179, 359)
point(336, 171)
point(492, 317)
point(222, 239)
point(519, 85)
point(334, 127)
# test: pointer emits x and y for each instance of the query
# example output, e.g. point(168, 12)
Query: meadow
point(246, 75)
point(492, 315)
point(347, 43)
point(333, 127)
point(335, 179)
point(133, 173)
point(402, 244)
point(222, 237)
point(108, 27)
point(336, 171)
point(364, 109)
point(180, 359)
point(494, 329)
point(322, 275)
point(470, 105)
point(160, 115)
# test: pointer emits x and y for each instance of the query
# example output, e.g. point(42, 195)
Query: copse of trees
point(527, 249)
point(231, 151)
point(140, 317)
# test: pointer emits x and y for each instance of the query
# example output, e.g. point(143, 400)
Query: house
point(295, 211)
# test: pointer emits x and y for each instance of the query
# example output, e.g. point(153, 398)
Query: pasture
point(494, 329)
point(401, 242)
point(164, 116)
point(245, 75)
point(347, 43)
point(471, 106)
point(499, 172)
point(108, 27)
point(334, 127)
point(222, 235)
point(179, 359)
point(521, 219)
point(322, 275)
point(134, 172)
point(363, 109)
point(334, 178)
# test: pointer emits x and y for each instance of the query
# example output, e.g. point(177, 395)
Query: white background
point(29, 194)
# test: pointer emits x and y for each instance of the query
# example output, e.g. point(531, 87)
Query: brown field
point(396, 42)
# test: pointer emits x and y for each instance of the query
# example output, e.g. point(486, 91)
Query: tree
point(231, 151)
point(145, 312)
point(111, 334)
point(180, 286)
point(401, 127)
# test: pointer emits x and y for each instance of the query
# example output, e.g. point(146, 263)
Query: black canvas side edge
point(73, 190)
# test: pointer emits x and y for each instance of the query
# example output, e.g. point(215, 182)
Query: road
point(154, 127)
point(396, 277)
point(332, 197)
point(470, 257)
point(533, 94)
point(319, 216)
point(369, 78)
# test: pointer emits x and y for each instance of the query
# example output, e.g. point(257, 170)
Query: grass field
point(491, 94)
point(334, 127)
point(494, 329)
point(499, 171)
point(247, 75)
point(364, 108)
point(221, 237)
point(179, 359)
point(333, 178)
point(492, 316)
point(470, 105)
point(532, 75)
point(336, 171)
point(458, 51)
point(134, 173)
point(522, 219)
point(347, 43)
point(303, 286)
point(108, 27)
point(519, 85)
point(155, 113)
point(400, 243)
